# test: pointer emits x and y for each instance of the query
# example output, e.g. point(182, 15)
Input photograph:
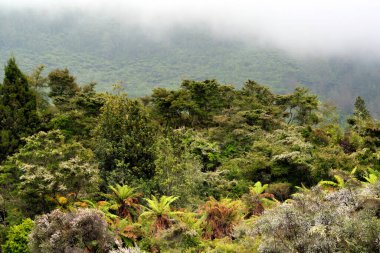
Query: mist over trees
point(108, 50)
point(189, 126)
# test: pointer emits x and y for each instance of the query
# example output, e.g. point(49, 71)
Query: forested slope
point(206, 167)
point(107, 51)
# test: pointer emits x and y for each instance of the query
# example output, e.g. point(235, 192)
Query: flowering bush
point(321, 221)
point(84, 230)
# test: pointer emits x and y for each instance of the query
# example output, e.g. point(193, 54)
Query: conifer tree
point(360, 110)
point(18, 110)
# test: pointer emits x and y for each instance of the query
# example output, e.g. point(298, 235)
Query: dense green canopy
point(204, 168)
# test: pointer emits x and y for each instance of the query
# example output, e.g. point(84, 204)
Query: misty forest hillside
point(106, 51)
point(122, 136)
point(206, 167)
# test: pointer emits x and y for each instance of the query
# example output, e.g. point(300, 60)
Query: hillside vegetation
point(206, 167)
point(108, 51)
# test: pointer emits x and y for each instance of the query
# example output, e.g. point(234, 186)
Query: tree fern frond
point(340, 181)
point(324, 182)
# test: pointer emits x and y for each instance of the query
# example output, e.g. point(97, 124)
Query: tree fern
point(338, 184)
point(373, 176)
point(159, 210)
point(126, 200)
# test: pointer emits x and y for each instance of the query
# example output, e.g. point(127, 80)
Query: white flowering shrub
point(51, 166)
point(323, 221)
point(84, 230)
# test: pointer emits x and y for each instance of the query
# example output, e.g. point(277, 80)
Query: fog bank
point(331, 28)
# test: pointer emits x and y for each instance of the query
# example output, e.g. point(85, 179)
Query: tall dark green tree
point(78, 115)
point(209, 98)
point(38, 83)
point(363, 124)
point(18, 110)
point(360, 117)
point(124, 141)
point(360, 110)
point(302, 107)
point(62, 87)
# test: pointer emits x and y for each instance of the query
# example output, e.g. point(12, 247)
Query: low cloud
point(323, 27)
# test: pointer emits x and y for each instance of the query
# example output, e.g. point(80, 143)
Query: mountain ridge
point(107, 52)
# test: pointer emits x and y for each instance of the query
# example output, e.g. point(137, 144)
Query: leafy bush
point(322, 221)
point(51, 166)
point(124, 139)
point(178, 172)
point(186, 233)
point(84, 230)
point(257, 200)
point(17, 238)
point(280, 191)
point(159, 211)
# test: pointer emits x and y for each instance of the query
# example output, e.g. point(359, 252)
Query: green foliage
point(62, 87)
point(283, 155)
point(302, 107)
point(18, 110)
point(194, 104)
point(124, 141)
point(17, 238)
point(360, 109)
point(126, 200)
point(243, 245)
point(78, 107)
point(249, 167)
point(339, 182)
point(372, 176)
point(38, 83)
point(178, 173)
point(48, 165)
point(208, 98)
point(185, 233)
point(217, 185)
point(126, 233)
point(256, 200)
point(122, 193)
point(159, 207)
point(206, 151)
point(81, 119)
point(172, 106)
point(258, 188)
point(280, 191)
point(229, 156)
point(159, 211)
point(108, 55)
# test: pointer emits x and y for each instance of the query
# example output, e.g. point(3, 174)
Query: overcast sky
point(331, 27)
